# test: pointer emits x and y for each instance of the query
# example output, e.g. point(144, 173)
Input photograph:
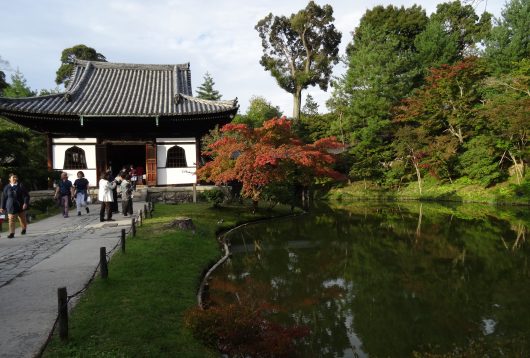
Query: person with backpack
point(65, 193)
point(15, 202)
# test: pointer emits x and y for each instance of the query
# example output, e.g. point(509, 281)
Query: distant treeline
point(446, 95)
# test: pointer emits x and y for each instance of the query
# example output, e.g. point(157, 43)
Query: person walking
point(106, 188)
point(15, 202)
point(81, 192)
point(126, 196)
point(65, 193)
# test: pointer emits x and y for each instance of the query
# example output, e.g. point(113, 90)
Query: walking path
point(55, 252)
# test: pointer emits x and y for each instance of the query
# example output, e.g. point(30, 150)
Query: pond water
point(389, 280)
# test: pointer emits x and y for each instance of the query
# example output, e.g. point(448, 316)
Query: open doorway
point(123, 155)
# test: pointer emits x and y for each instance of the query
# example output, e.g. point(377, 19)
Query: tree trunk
point(418, 174)
point(297, 102)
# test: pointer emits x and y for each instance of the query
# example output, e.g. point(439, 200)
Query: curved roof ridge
point(78, 84)
point(138, 66)
point(23, 99)
point(231, 102)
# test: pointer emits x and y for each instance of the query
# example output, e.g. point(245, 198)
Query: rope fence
point(63, 299)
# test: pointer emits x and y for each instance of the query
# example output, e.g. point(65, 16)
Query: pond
point(389, 280)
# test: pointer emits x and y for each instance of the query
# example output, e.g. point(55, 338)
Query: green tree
point(3, 65)
point(444, 109)
point(436, 47)
point(310, 107)
point(259, 111)
point(464, 24)
point(480, 160)
point(24, 152)
point(18, 87)
point(68, 57)
point(46, 92)
point(300, 51)
point(206, 91)
point(507, 112)
point(3, 83)
point(509, 41)
point(382, 69)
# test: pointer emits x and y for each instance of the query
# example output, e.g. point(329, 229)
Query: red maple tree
point(268, 155)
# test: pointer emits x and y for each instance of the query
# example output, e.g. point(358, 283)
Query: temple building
point(113, 115)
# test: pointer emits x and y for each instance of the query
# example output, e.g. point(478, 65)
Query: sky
point(215, 36)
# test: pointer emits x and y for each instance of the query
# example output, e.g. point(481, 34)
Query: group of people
point(108, 193)
point(78, 192)
point(15, 197)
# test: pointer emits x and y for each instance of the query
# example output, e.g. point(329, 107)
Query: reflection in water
point(389, 280)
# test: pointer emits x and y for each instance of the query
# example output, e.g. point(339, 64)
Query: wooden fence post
point(104, 269)
point(123, 240)
point(145, 211)
point(133, 227)
point(62, 299)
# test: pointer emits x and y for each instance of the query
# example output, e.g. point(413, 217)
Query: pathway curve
point(55, 252)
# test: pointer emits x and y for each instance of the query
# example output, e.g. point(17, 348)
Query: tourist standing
point(116, 181)
point(81, 192)
point(15, 201)
point(134, 177)
point(126, 196)
point(64, 192)
point(106, 188)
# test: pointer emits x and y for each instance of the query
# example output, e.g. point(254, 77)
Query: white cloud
point(214, 36)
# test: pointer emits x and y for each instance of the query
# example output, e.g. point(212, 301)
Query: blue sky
point(214, 36)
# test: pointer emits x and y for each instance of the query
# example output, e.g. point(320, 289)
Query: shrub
point(239, 330)
point(215, 197)
point(43, 205)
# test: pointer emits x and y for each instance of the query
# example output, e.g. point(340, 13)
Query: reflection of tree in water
point(410, 276)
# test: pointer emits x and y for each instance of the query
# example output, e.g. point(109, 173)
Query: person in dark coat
point(15, 202)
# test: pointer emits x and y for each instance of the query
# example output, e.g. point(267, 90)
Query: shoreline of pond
point(504, 194)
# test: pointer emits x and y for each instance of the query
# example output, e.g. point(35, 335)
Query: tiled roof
point(116, 89)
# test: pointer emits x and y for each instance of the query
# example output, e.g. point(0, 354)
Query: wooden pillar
point(150, 163)
point(49, 154)
point(198, 154)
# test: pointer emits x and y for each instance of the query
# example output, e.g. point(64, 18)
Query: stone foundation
point(174, 195)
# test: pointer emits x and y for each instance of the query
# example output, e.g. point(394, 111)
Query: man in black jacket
point(15, 201)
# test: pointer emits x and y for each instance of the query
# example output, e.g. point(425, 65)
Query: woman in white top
point(105, 196)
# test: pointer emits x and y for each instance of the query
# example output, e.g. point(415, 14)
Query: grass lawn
point(433, 190)
point(138, 311)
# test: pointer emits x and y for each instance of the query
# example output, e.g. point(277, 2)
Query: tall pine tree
point(206, 91)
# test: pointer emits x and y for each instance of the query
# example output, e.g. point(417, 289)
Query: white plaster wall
point(75, 140)
point(169, 176)
point(90, 155)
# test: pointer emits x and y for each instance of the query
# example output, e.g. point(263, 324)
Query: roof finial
point(178, 98)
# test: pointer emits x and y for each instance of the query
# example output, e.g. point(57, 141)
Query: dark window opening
point(176, 157)
point(74, 158)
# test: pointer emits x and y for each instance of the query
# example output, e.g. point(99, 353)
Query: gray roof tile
point(117, 89)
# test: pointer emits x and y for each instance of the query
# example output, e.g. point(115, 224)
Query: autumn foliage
point(265, 156)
